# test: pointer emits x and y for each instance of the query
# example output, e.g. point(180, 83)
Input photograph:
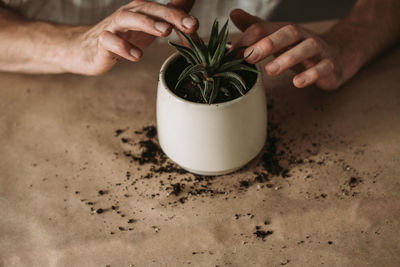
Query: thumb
point(243, 20)
point(186, 5)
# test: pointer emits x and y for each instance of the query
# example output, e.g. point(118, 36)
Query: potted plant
point(211, 106)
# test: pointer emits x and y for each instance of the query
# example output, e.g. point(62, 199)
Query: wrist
point(71, 55)
point(55, 46)
point(349, 54)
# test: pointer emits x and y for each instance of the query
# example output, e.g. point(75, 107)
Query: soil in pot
point(188, 90)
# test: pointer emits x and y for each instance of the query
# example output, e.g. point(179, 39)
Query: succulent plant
point(211, 66)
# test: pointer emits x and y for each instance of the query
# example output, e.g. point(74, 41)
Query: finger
point(119, 46)
point(308, 63)
point(305, 50)
point(253, 34)
point(243, 20)
point(174, 16)
point(126, 20)
point(310, 76)
point(280, 39)
point(186, 5)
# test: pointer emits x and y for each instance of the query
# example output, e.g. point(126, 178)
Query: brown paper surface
point(58, 149)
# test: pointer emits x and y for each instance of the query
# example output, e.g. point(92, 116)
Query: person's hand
point(126, 32)
point(313, 58)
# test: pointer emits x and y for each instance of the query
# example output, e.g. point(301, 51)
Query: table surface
point(334, 203)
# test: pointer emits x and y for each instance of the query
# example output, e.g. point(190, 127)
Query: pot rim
point(163, 69)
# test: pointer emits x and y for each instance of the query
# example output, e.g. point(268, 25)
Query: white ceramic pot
point(211, 139)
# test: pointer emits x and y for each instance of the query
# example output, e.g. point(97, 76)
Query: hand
point(315, 60)
point(129, 30)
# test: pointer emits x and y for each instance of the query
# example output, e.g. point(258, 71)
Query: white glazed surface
point(211, 139)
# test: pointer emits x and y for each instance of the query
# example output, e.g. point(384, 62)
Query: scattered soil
point(188, 90)
point(354, 181)
point(263, 234)
point(99, 211)
point(151, 175)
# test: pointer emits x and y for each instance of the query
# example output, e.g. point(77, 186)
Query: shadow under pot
point(209, 139)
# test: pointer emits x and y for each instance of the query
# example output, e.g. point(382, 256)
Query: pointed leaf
point(188, 71)
point(225, 91)
point(208, 85)
point(186, 53)
point(214, 91)
point(243, 67)
point(237, 67)
point(237, 86)
point(219, 53)
point(212, 43)
point(229, 65)
point(233, 53)
point(222, 32)
point(200, 85)
point(191, 70)
point(195, 78)
point(199, 54)
point(233, 78)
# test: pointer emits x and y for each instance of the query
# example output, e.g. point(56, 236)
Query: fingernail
point(189, 22)
point(273, 67)
point(161, 26)
point(299, 80)
point(135, 53)
point(255, 54)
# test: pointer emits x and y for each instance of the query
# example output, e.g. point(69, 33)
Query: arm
point(42, 47)
point(328, 60)
point(371, 27)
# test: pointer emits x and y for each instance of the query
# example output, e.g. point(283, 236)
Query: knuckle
point(289, 60)
point(119, 45)
point(119, 17)
point(313, 43)
point(267, 43)
point(144, 7)
point(103, 36)
point(294, 31)
point(313, 74)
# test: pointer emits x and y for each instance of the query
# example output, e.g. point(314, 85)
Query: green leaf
point(212, 43)
point(225, 91)
point(234, 79)
point(238, 67)
point(186, 53)
point(188, 71)
point(182, 73)
point(202, 90)
point(214, 91)
point(221, 34)
point(191, 70)
point(230, 64)
point(219, 53)
point(208, 85)
point(233, 53)
point(237, 86)
point(246, 57)
point(195, 47)
point(195, 78)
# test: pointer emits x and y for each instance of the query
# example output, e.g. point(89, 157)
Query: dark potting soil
point(262, 234)
point(188, 90)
